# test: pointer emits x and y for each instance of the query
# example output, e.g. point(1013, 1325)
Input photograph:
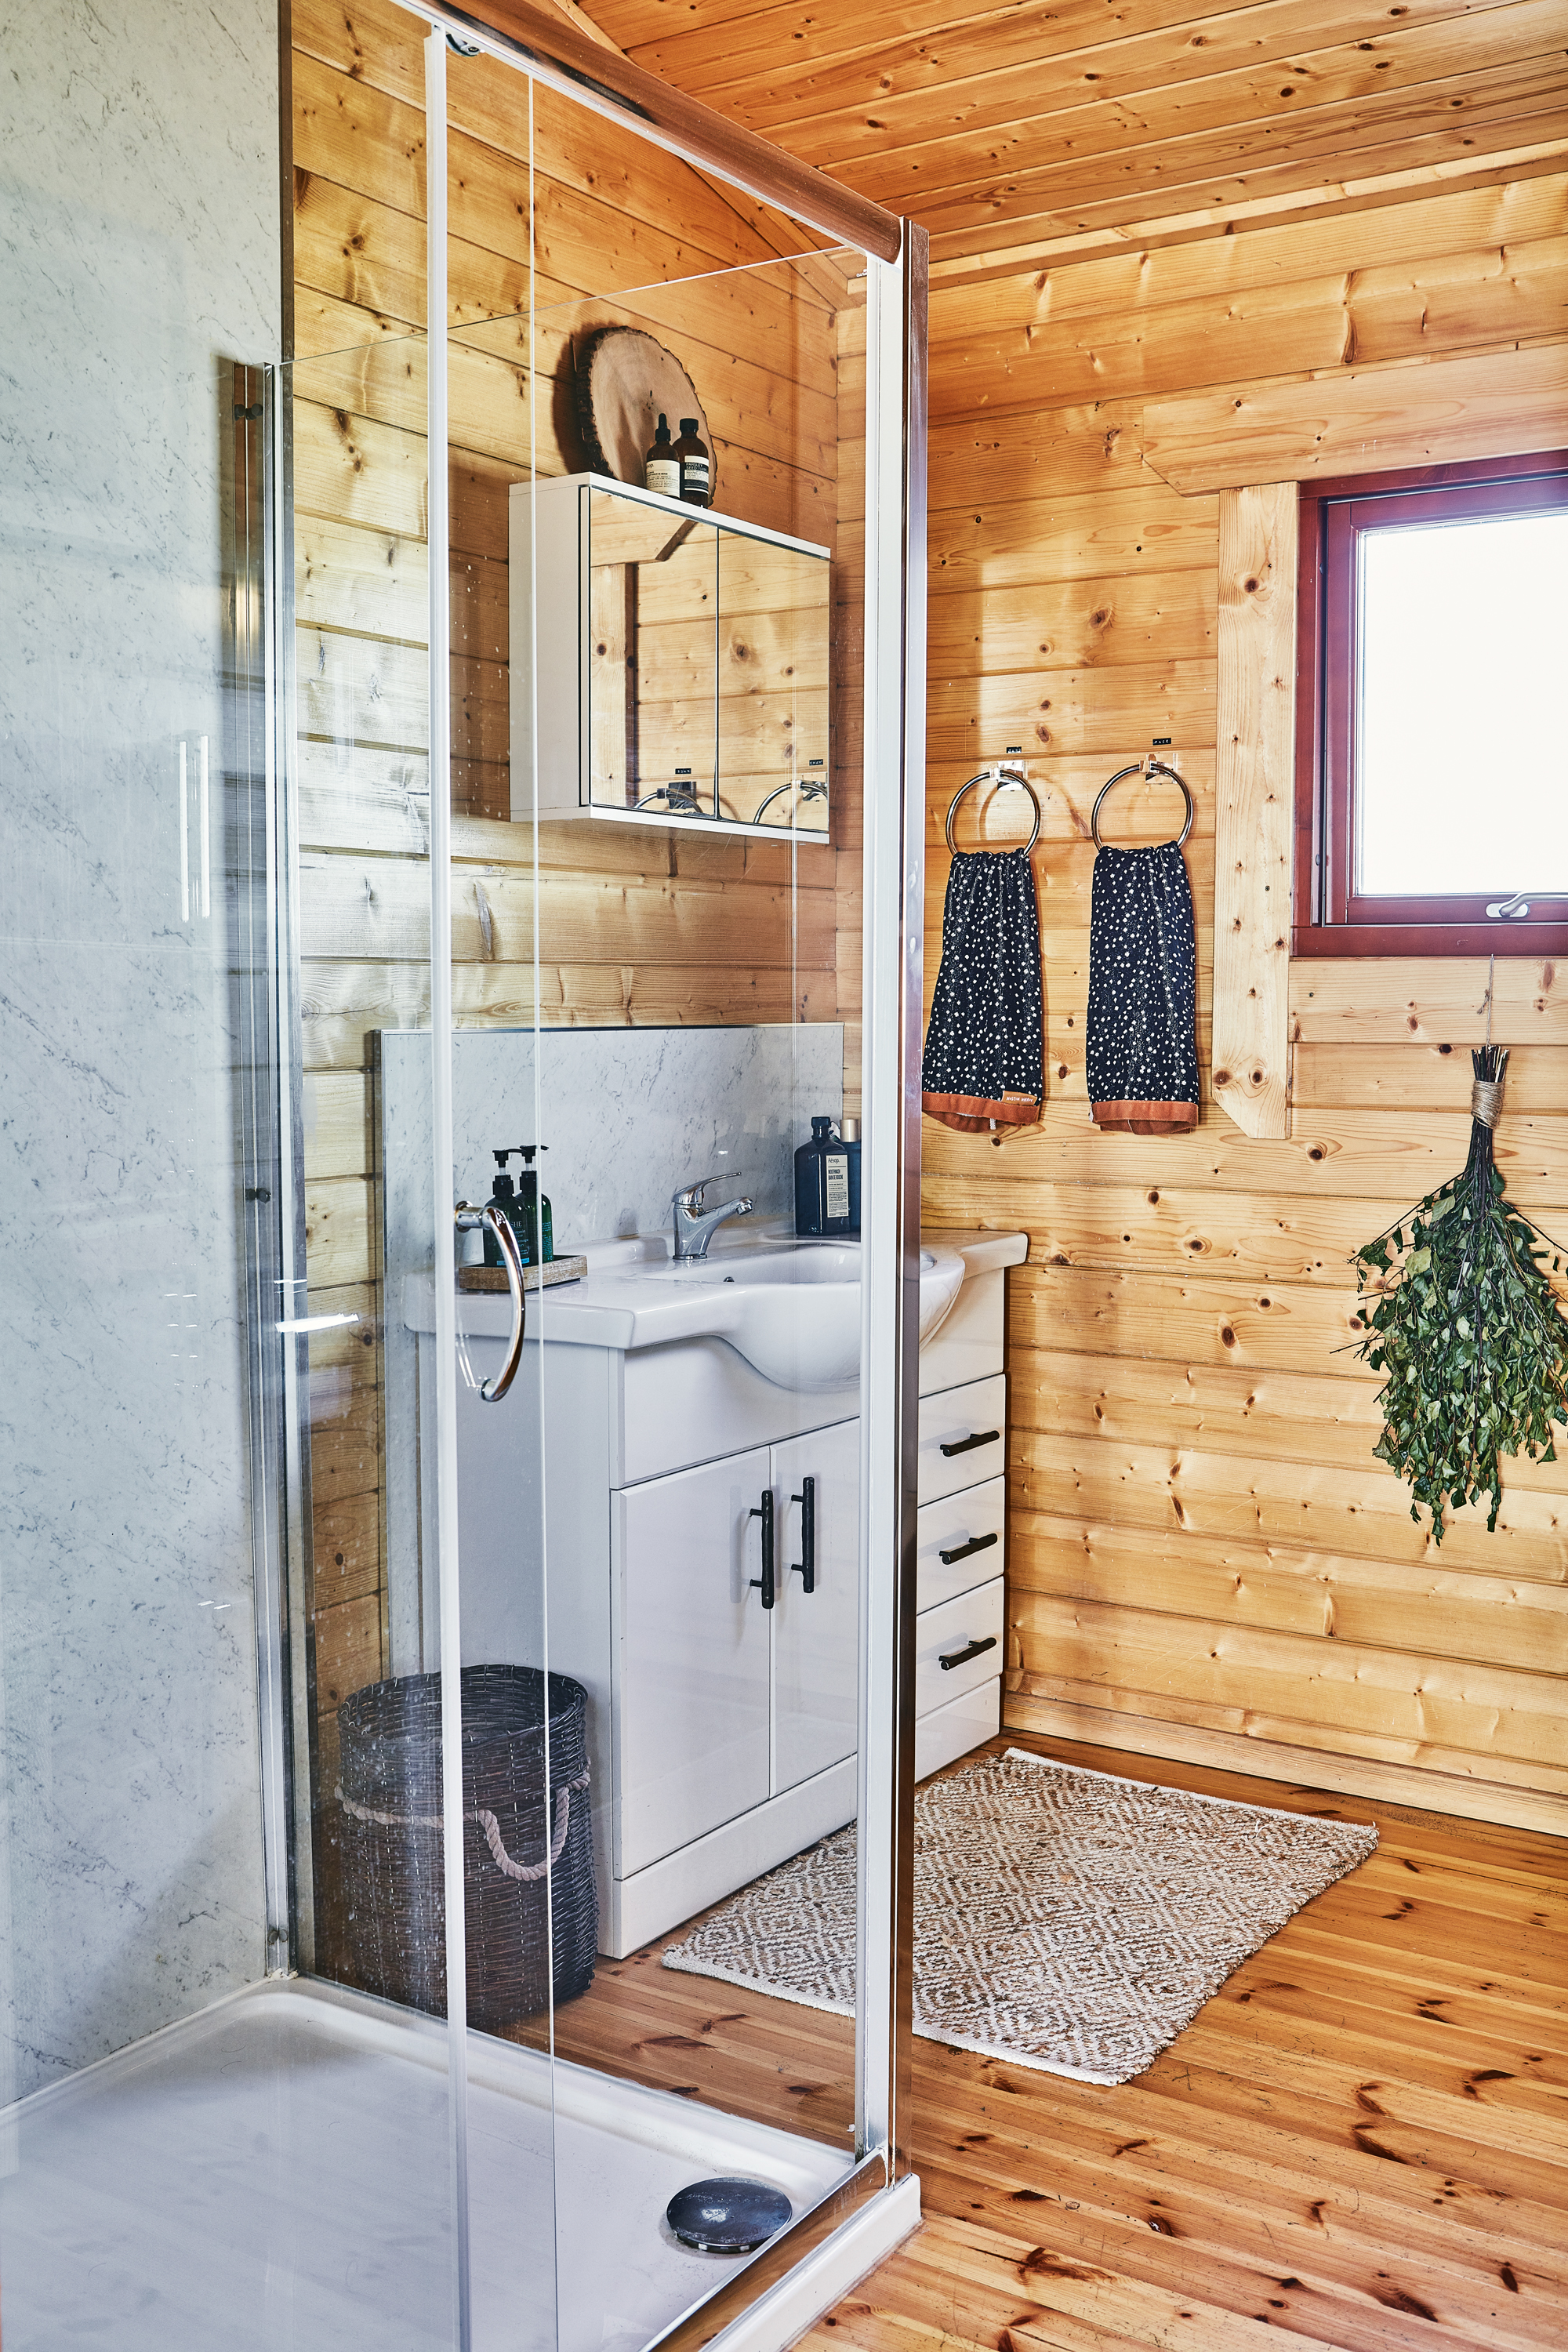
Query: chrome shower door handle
point(469, 1220)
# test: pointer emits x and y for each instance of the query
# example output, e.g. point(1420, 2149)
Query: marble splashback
point(139, 251)
point(627, 1116)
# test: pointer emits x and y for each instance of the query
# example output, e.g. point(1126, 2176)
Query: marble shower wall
point(139, 248)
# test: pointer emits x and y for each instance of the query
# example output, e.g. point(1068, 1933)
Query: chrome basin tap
point(694, 1225)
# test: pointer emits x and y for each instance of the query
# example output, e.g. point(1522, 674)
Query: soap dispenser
point(661, 467)
point(505, 1199)
point(536, 1211)
point(822, 1184)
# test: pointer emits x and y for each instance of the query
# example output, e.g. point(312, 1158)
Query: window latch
point(1509, 909)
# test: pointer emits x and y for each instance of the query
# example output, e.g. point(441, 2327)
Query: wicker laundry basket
point(530, 1901)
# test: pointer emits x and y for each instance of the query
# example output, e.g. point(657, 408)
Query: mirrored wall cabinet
point(682, 660)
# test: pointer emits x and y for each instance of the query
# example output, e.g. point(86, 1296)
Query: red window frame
point(1331, 918)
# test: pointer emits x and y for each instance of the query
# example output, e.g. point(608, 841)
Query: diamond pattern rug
point(1064, 1919)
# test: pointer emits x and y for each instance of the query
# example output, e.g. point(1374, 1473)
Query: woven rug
point(1064, 1919)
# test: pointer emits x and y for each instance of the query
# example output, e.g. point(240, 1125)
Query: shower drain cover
point(727, 2217)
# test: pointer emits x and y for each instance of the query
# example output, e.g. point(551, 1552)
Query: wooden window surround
point(1331, 918)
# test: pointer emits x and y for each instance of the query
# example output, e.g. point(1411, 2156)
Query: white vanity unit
point(701, 1527)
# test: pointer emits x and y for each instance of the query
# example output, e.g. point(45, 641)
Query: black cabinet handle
point(976, 1437)
point(962, 1551)
point(962, 1657)
point(764, 1511)
point(805, 1566)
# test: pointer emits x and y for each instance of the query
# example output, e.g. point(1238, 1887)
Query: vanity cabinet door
point(691, 1724)
point(817, 1634)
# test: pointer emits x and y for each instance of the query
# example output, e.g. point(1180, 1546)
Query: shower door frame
point(552, 52)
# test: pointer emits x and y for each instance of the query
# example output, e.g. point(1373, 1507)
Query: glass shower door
point(229, 2109)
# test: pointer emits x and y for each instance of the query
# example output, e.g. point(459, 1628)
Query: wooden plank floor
point(1360, 2141)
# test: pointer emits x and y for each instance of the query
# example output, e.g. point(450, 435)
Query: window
point(1432, 731)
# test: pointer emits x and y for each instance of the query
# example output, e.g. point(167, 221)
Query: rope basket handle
point(527, 1871)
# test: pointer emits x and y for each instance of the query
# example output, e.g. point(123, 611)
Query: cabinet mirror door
point(817, 1633)
point(653, 599)
point(693, 1732)
point(774, 618)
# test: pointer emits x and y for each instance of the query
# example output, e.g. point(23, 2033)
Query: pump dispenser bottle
point(661, 467)
point(504, 1197)
point(525, 1209)
point(536, 1210)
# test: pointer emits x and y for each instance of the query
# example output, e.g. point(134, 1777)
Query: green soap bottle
point(505, 1198)
point(535, 1207)
point(524, 1207)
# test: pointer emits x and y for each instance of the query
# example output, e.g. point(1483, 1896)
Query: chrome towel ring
point(1006, 780)
point(1139, 768)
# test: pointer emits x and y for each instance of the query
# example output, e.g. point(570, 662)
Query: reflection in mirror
point(682, 661)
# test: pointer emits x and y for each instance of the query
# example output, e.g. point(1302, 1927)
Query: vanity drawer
point(954, 1418)
point(951, 1630)
point(951, 1731)
point(978, 1516)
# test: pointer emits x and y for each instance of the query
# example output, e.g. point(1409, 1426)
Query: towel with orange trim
point(984, 1056)
point(1141, 1053)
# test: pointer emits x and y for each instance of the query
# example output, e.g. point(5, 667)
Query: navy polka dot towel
point(984, 1057)
point(1141, 1055)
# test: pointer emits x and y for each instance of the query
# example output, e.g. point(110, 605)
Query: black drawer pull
point(805, 1566)
point(962, 1551)
point(962, 1657)
point(764, 1511)
point(967, 1444)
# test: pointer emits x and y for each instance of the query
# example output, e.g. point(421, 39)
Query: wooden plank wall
point(1206, 1559)
point(636, 926)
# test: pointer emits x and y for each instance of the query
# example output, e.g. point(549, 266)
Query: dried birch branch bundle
point(1467, 1328)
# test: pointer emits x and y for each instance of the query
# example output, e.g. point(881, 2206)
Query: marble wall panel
point(139, 250)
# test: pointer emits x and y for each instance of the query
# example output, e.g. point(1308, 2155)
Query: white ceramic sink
point(791, 1308)
point(794, 1312)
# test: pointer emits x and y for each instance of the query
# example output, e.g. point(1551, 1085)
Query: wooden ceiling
point(1031, 125)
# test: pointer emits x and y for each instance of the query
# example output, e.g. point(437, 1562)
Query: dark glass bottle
point(524, 1207)
point(661, 467)
point(695, 465)
point(505, 1199)
point(822, 1183)
point(536, 1210)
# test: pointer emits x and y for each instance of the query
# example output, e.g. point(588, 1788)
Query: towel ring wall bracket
point(1138, 767)
point(1006, 780)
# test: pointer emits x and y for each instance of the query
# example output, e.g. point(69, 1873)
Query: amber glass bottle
point(661, 467)
point(695, 465)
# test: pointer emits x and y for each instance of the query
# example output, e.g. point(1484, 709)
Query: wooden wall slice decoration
point(624, 381)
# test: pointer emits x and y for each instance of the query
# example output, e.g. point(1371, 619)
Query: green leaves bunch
point(1460, 1316)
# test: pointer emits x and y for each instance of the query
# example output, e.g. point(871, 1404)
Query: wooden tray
point(534, 1277)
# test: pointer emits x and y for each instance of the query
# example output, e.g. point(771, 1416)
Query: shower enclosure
point(395, 788)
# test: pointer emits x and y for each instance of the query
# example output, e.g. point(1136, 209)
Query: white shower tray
point(277, 2170)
